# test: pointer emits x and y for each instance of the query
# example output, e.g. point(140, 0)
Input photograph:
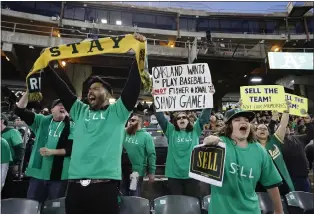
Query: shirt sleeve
point(151, 154)
point(37, 122)
point(270, 176)
point(72, 126)
point(76, 109)
point(120, 110)
point(197, 128)
point(276, 140)
point(16, 137)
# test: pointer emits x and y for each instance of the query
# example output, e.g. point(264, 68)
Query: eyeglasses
point(183, 118)
point(132, 120)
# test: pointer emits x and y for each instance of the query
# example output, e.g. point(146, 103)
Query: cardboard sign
point(263, 98)
point(299, 105)
point(182, 87)
point(207, 163)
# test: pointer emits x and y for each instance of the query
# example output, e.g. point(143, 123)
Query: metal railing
point(221, 48)
point(73, 33)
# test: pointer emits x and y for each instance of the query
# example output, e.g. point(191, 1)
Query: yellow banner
point(298, 106)
point(117, 45)
point(263, 98)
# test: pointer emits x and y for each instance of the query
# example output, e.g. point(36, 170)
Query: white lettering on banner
point(182, 87)
point(33, 83)
point(235, 168)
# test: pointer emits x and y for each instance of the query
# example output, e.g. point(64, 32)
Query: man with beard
point(246, 163)
point(95, 166)
point(15, 141)
point(50, 157)
point(140, 147)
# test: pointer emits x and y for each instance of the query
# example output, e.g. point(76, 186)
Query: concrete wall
point(77, 74)
point(46, 41)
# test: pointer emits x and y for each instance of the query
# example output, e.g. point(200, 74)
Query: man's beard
point(131, 130)
point(98, 104)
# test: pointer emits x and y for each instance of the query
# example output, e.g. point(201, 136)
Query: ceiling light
point(7, 58)
point(104, 21)
point(85, 5)
point(172, 45)
point(59, 35)
point(256, 79)
point(118, 22)
point(63, 63)
point(245, 75)
point(277, 49)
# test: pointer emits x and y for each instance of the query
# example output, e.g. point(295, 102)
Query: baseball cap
point(55, 102)
point(237, 112)
point(98, 79)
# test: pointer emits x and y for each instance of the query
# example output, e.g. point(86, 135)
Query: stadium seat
point(56, 206)
point(267, 205)
point(160, 141)
point(171, 204)
point(300, 202)
point(19, 206)
point(134, 205)
point(205, 204)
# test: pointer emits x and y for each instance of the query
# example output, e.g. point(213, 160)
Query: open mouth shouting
point(243, 128)
point(91, 99)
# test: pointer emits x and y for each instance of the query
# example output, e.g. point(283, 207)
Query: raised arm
point(20, 110)
point(162, 120)
point(281, 131)
point(151, 155)
point(204, 117)
point(59, 86)
point(132, 88)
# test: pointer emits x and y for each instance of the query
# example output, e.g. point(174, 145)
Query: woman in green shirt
point(246, 163)
point(182, 137)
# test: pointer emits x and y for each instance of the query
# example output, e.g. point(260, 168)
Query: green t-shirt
point(273, 147)
point(5, 151)
point(14, 138)
point(98, 138)
point(141, 148)
point(244, 167)
point(180, 146)
point(49, 131)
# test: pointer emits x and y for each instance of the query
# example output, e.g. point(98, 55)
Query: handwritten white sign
point(182, 87)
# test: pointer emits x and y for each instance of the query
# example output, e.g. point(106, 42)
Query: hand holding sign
point(211, 140)
point(208, 163)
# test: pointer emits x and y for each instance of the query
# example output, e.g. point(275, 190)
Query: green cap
point(237, 112)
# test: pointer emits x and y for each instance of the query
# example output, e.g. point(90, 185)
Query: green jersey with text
point(97, 141)
point(141, 149)
point(273, 147)
point(180, 146)
point(244, 167)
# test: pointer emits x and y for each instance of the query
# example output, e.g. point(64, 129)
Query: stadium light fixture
point(104, 21)
point(277, 49)
point(63, 63)
point(7, 58)
point(118, 22)
point(256, 79)
point(59, 35)
point(245, 75)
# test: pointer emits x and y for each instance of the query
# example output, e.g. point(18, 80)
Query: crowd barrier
point(293, 203)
